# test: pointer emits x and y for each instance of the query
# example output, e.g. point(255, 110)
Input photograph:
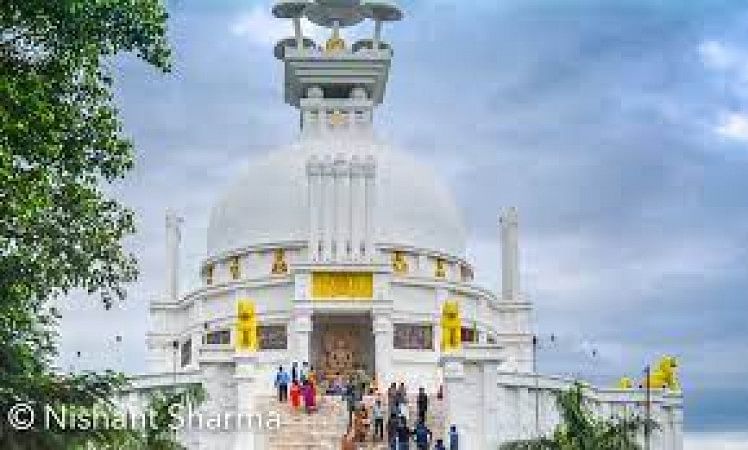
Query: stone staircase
point(323, 430)
point(301, 431)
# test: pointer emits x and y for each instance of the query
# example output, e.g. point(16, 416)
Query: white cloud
point(733, 126)
point(715, 441)
point(731, 63)
point(263, 30)
point(718, 56)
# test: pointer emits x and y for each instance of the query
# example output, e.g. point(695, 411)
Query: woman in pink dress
point(310, 395)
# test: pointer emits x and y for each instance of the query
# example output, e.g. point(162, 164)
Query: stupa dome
point(267, 203)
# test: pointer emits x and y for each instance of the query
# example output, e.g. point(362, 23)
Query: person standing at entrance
point(422, 436)
point(378, 414)
point(350, 399)
point(402, 436)
point(303, 372)
point(422, 403)
point(392, 399)
point(281, 383)
point(453, 438)
point(294, 371)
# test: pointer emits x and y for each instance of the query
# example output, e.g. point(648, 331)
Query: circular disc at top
point(326, 13)
point(384, 10)
point(288, 9)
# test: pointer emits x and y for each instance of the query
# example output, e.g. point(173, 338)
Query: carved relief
point(234, 268)
point(279, 262)
point(336, 285)
point(441, 268)
point(399, 264)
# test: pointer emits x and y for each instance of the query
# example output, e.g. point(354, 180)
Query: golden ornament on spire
point(335, 45)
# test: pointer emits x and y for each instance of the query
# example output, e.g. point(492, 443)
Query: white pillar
point(173, 238)
point(357, 203)
point(302, 330)
point(678, 427)
point(383, 344)
point(313, 184)
point(297, 33)
point(342, 207)
point(370, 221)
point(328, 206)
point(377, 34)
point(246, 377)
point(509, 254)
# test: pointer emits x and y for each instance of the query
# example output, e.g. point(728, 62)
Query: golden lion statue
point(246, 326)
point(451, 326)
point(664, 375)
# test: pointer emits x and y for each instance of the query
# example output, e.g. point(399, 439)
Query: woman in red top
point(295, 395)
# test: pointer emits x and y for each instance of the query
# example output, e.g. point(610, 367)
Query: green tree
point(60, 143)
point(581, 429)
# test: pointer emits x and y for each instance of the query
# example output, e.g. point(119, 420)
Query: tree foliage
point(581, 429)
point(61, 142)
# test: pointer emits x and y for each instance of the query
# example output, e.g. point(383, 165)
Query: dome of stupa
point(267, 203)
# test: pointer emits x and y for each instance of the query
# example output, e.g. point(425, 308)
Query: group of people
point(300, 385)
point(369, 415)
point(367, 409)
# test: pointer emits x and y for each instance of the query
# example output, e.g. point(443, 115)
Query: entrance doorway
point(342, 345)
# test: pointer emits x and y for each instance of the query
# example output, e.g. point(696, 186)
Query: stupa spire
point(335, 86)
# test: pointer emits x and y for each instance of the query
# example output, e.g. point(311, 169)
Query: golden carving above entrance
point(342, 285)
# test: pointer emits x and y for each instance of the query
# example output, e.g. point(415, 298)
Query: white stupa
point(349, 249)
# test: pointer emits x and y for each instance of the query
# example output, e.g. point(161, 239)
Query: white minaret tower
point(509, 254)
point(173, 239)
point(336, 87)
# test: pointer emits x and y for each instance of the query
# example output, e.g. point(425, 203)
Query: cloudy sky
point(620, 130)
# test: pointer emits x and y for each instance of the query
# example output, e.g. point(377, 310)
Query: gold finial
point(335, 44)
